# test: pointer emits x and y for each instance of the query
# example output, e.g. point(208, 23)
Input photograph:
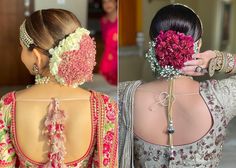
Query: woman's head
point(109, 6)
point(178, 18)
point(52, 39)
point(46, 28)
point(175, 33)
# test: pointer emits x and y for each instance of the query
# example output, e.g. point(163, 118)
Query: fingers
point(195, 56)
point(188, 68)
point(191, 70)
point(197, 62)
point(194, 73)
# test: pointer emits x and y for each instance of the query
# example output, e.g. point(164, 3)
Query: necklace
point(41, 79)
point(170, 128)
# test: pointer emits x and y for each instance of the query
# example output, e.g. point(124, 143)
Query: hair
point(48, 27)
point(178, 18)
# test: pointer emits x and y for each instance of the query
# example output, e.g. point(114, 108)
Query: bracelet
point(223, 62)
point(219, 60)
point(212, 67)
point(216, 64)
point(233, 71)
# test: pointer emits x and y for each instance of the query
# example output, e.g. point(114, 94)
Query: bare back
point(191, 117)
point(30, 113)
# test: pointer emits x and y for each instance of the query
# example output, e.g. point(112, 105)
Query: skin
point(201, 59)
point(31, 114)
point(110, 7)
point(192, 120)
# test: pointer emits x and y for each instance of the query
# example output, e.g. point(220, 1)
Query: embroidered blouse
point(102, 151)
point(219, 96)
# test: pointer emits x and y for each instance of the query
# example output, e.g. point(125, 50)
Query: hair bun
point(73, 60)
point(173, 48)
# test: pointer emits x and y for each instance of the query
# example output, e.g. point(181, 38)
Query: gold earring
point(35, 69)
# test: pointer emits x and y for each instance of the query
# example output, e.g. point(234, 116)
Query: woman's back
point(191, 148)
point(191, 116)
point(30, 114)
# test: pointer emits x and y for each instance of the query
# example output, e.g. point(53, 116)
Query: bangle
point(230, 63)
point(216, 64)
point(212, 67)
point(219, 60)
point(233, 71)
point(224, 62)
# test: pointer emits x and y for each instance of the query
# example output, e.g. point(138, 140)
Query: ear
point(200, 44)
point(38, 57)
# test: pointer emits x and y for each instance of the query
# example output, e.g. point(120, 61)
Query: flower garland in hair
point(168, 53)
point(73, 59)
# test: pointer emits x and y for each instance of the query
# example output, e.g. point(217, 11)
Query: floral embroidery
point(110, 130)
point(203, 153)
point(9, 146)
point(7, 152)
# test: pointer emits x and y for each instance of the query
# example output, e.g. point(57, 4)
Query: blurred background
point(13, 73)
point(219, 23)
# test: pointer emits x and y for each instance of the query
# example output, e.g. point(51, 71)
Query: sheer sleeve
point(126, 95)
point(7, 152)
point(106, 153)
point(225, 91)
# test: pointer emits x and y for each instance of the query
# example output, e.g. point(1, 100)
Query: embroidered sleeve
point(225, 90)
point(107, 137)
point(7, 152)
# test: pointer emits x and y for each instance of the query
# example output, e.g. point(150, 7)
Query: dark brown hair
point(48, 27)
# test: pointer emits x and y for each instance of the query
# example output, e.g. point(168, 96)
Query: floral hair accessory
point(73, 59)
point(168, 53)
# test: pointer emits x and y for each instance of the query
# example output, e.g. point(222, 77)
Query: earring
point(35, 69)
point(38, 78)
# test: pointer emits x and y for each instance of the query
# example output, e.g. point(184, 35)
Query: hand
point(199, 60)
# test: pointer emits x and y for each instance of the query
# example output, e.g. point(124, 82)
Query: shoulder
point(123, 86)
point(103, 98)
point(106, 108)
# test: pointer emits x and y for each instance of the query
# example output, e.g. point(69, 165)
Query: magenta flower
point(173, 49)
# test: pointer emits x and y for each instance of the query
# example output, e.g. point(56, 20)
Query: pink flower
point(105, 98)
point(106, 148)
point(109, 136)
point(1, 122)
point(77, 65)
point(110, 114)
point(106, 161)
point(11, 150)
point(8, 99)
point(173, 48)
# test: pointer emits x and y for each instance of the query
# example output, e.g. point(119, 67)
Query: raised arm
point(210, 62)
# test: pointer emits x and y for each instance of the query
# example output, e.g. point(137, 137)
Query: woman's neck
point(112, 16)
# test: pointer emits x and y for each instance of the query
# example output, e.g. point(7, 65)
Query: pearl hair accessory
point(24, 36)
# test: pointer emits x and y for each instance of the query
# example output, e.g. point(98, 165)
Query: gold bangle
point(233, 71)
point(219, 61)
point(212, 67)
point(224, 62)
point(230, 63)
